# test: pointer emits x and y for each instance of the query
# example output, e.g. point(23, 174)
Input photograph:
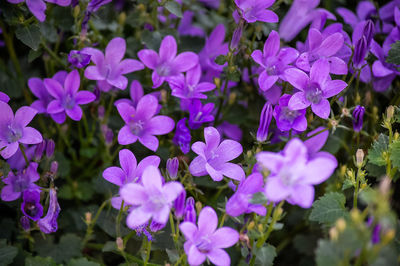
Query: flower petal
point(126, 111)
point(297, 78)
point(275, 190)
point(149, 141)
point(320, 71)
point(24, 115)
point(134, 194)
point(31, 136)
point(208, 221)
point(115, 51)
point(272, 44)
point(114, 175)
point(185, 61)
point(149, 58)
point(160, 125)
point(168, 49)
point(130, 65)
point(84, 97)
point(125, 136)
point(151, 178)
point(137, 217)
point(333, 88)
point(75, 113)
point(171, 190)
point(188, 229)
point(298, 101)
point(233, 171)
point(127, 161)
point(212, 138)
point(216, 175)
point(303, 196)
point(198, 166)
point(322, 109)
point(72, 82)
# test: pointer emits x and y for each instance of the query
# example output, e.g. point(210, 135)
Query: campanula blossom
point(240, 203)
point(316, 141)
point(136, 93)
point(186, 28)
point(314, 89)
point(189, 86)
point(190, 211)
point(231, 131)
point(14, 129)
point(167, 63)
point(48, 224)
point(204, 240)
point(256, 10)
point(31, 206)
point(287, 119)
point(38, 7)
point(110, 68)
point(67, 98)
point(17, 161)
point(358, 116)
point(274, 61)
point(292, 174)
point(78, 59)
point(320, 47)
point(172, 167)
point(141, 124)
point(4, 97)
point(365, 10)
point(199, 114)
point(20, 182)
point(214, 156)
point(265, 121)
point(182, 136)
point(151, 199)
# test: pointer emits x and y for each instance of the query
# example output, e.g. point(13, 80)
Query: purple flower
point(292, 174)
point(17, 161)
point(14, 130)
point(190, 87)
point(109, 68)
point(182, 136)
point(364, 11)
point(141, 124)
point(190, 211)
point(179, 205)
point(135, 92)
point(358, 116)
point(314, 89)
point(31, 206)
point(211, 3)
point(320, 47)
point(274, 61)
point(67, 97)
point(287, 119)
point(206, 241)
point(214, 157)
point(172, 167)
point(19, 182)
point(236, 36)
point(239, 203)
point(94, 5)
point(256, 10)
point(38, 7)
point(231, 131)
point(199, 114)
point(151, 199)
point(50, 146)
point(25, 224)
point(186, 27)
point(360, 51)
point(315, 143)
point(48, 224)
point(4, 97)
point(265, 121)
point(166, 63)
point(78, 59)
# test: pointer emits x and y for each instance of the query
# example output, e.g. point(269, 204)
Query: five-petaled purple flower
point(256, 10)
point(109, 68)
point(182, 136)
point(151, 199)
point(166, 63)
point(314, 89)
point(199, 114)
point(78, 59)
point(67, 97)
point(287, 119)
point(38, 7)
point(141, 124)
point(14, 130)
point(206, 241)
point(214, 157)
point(31, 206)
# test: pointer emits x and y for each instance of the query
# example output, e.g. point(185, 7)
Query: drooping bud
point(265, 121)
point(358, 116)
point(172, 167)
point(50, 146)
point(48, 224)
point(237, 35)
point(190, 211)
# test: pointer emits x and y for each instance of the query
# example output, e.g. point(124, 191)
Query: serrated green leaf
point(68, 247)
point(394, 149)
point(328, 208)
point(39, 261)
point(173, 7)
point(347, 184)
point(7, 253)
point(375, 154)
point(394, 54)
point(327, 254)
point(258, 198)
point(265, 256)
point(29, 35)
point(33, 55)
point(82, 262)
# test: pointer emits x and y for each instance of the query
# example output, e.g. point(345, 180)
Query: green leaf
point(328, 208)
point(34, 54)
point(394, 149)
point(7, 253)
point(29, 35)
point(173, 7)
point(258, 198)
point(109, 246)
point(394, 54)
point(39, 261)
point(173, 255)
point(347, 184)
point(220, 60)
point(327, 254)
point(68, 247)
point(82, 262)
point(265, 256)
point(375, 154)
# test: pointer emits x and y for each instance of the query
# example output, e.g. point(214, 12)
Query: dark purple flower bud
point(154, 227)
point(358, 116)
point(109, 137)
point(265, 121)
point(97, 93)
point(182, 136)
point(39, 150)
point(360, 51)
point(237, 34)
point(78, 59)
point(190, 211)
point(172, 167)
point(25, 224)
point(100, 112)
point(148, 26)
point(369, 31)
point(375, 238)
point(48, 224)
point(74, 3)
point(54, 167)
point(232, 186)
point(179, 205)
point(50, 146)
point(31, 206)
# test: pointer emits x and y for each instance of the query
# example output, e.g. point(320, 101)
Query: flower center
point(314, 93)
point(31, 209)
point(163, 70)
point(14, 133)
point(289, 115)
point(137, 127)
point(286, 177)
point(20, 182)
point(108, 71)
point(68, 102)
point(204, 244)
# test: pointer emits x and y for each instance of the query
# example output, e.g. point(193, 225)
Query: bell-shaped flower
point(256, 10)
point(182, 136)
point(31, 206)
point(199, 114)
point(38, 7)
point(48, 224)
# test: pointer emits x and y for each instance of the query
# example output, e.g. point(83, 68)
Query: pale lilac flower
point(314, 89)
point(358, 116)
point(31, 206)
point(206, 241)
point(172, 167)
point(214, 156)
point(19, 182)
point(67, 97)
point(78, 59)
point(287, 119)
point(38, 7)
point(151, 199)
point(199, 114)
point(256, 10)
point(141, 124)
point(48, 224)
point(239, 203)
point(14, 130)
point(4, 97)
point(186, 28)
point(292, 174)
point(274, 61)
point(135, 92)
point(182, 136)
point(265, 121)
point(166, 63)
point(109, 69)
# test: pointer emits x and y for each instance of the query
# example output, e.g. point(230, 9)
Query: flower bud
point(341, 224)
point(390, 112)
point(50, 146)
point(25, 224)
point(360, 51)
point(48, 224)
point(54, 167)
point(39, 150)
point(154, 226)
point(88, 218)
point(265, 121)
point(237, 35)
point(100, 112)
point(359, 157)
point(369, 31)
point(333, 234)
point(179, 205)
point(190, 212)
point(358, 116)
point(120, 243)
point(172, 167)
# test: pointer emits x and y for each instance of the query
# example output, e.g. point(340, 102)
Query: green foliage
point(375, 154)
point(265, 255)
point(68, 247)
point(327, 254)
point(394, 149)
point(7, 253)
point(173, 7)
point(39, 261)
point(258, 198)
point(29, 35)
point(394, 54)
point(329, 208)
point(82, 262)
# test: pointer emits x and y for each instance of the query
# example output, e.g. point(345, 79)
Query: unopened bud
point(25, 223)
point(39, 150)
point(232, 98)
point(341, 225)
point(88, 217)
point(122, 18)
point(390, 112)
point(384, 186)
point(50, 146)
point(355, 215)
point(172, 167)
point(199, 206)
point(388, 236)
point(251, 225)
point(217, 82)
point(359, 157)
point(333, 234)
point(120, 243)
point(54, 167)
point(100, 112)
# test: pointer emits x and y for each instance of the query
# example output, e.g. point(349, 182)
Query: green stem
point(92, 223)
point(275, 217)
point(148, 251)
point(355, 198)
point(24, 154)
point(52, 54)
